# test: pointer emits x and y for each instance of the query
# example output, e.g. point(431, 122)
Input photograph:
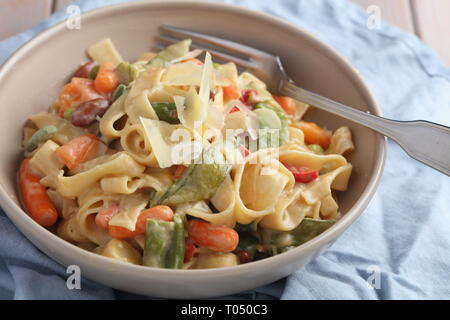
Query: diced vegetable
point(218, 66)
point(162, 213)
point(165, 243)
point(231, 92)
point(234, 109)
point(78, 150)
point(317, 149)
point(103, 216)
point(268, 120)
point(189, 250)
point(314, 134)
point(216, 238)
point(35, 197)
point(250, 97)
point(307, 230)
point(302, 174)
point(170, 53)
point(199, 181)
point(94, 72)
point(87, 112)
point(244, 150)
point(84, 70)
point(166, 112)
point(68, 113)
point(126, 72)
point(79, 90)
point(40, 137)
point(121, 88)
point(107, 80)
point(288, 104)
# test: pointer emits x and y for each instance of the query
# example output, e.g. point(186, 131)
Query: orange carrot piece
point(217, 238)
point(231, 92)
point(315, 134)
point(287, 103)
point(79, 90)
point(158, 212)
point(107, 79)
point(35, 197)
point(78, 150)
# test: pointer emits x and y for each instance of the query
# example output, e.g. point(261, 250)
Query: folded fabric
point(397, 249)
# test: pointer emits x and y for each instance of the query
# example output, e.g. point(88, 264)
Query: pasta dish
point(173, 161)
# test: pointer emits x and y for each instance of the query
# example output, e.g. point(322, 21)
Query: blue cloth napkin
point(397, 249)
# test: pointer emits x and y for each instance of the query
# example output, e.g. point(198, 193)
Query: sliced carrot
point(35, 197)
point(76, 92)
point(231, 92)
point(158, 212)
point(78, 150)
point(217, 238)
point(200, 63)
point(288, 104)
point(314, 134)
point(107, 79)
point(103, 216)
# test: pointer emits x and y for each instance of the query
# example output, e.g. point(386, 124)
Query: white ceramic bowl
point(31, 78)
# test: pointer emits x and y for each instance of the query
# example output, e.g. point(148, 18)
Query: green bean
point(121, 88)
point(94, 71)
point(39, 137)
point(166, 112)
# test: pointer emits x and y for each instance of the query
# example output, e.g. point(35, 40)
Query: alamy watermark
point(374, 19)
point(73, 21)
point(374, 279)
point(74, 280)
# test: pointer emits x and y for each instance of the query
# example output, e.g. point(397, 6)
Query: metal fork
point(424, 141)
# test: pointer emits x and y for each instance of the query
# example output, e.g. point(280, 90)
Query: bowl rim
point(33, 230)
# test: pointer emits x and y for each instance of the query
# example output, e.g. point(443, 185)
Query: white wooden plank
point(397, 12)
point(19, 15)
point(433, 25)
point(61, 3)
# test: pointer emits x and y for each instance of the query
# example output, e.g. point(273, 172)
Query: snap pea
point(166, 112)
point(94, 71)
point(199, 181)
point(307, 230)
point(157, 242)
point(39, 137)
point(164, 243)
point(175, 256)
point(121, 88)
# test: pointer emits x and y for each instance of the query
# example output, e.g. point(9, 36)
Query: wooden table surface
point(428, 19)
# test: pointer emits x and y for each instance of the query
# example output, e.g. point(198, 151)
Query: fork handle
point(424, 141)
